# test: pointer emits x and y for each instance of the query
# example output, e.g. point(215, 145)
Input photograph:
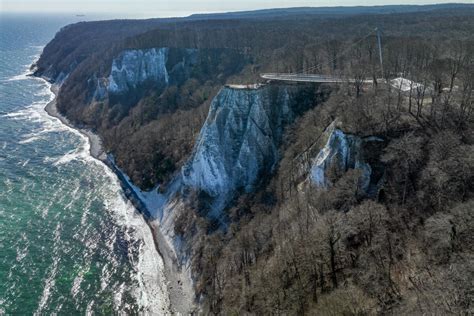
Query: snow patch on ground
point(245, 86)
point(404, 84)
point(152, 200)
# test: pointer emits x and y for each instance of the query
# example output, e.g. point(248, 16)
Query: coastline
point(96, 149)
point(179, 283)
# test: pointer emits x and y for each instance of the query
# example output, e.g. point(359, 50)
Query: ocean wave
point(22, 252)
point(88, 237)
point(80, 154)
point(28, 140)
point(76, 284)
point(31, 113)
point(43, 93)
point(24, 76)
point(51, 279)
point(34, 113)
point(27, 73)
point(24, 163)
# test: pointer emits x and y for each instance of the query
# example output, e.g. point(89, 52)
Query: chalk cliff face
point(134, 67)
point(237, 145)
point(239, 140)
point(342, 152)
point(161, 67)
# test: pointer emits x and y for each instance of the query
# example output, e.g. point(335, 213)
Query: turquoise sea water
point(70, 243)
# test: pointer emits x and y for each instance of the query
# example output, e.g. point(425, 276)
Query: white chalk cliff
point(239, 140)
point(343, 152)
point(134, 67)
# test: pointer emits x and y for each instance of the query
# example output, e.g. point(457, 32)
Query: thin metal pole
point(379, 41)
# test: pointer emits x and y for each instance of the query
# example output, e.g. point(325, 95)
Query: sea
point(70, 241)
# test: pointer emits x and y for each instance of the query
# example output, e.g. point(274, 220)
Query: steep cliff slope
point(239, 141)
point(235, 151)
point(342, 152)
point(134, 67)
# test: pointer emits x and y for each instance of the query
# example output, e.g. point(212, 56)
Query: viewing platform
point(310, 78)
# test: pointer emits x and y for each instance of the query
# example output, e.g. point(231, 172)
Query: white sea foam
point(43, 93)
point(27, 73)
point(25, 162)
point(76, 284)
point(89, 308)
point(35, 113)
point(90, 243)
point(77, 154)
point(50, 280)
point(28, 140)
point(24, 76)
point(22, 252)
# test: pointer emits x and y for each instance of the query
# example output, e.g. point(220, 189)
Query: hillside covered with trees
point(288, 247)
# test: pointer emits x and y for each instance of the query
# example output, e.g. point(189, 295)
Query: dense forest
point(288, 247)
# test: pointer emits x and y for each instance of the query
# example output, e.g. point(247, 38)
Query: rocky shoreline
point(179, 282)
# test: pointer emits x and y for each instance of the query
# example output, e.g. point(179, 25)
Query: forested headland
point(287, 246)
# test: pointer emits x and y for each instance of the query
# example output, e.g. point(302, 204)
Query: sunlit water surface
point(70, 243)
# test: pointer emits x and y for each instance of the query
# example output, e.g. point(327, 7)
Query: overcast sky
point(162, 8)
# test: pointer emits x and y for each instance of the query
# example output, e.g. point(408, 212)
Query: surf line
point(96, 154)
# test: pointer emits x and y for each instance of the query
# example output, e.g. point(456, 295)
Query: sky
point(167, 8)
